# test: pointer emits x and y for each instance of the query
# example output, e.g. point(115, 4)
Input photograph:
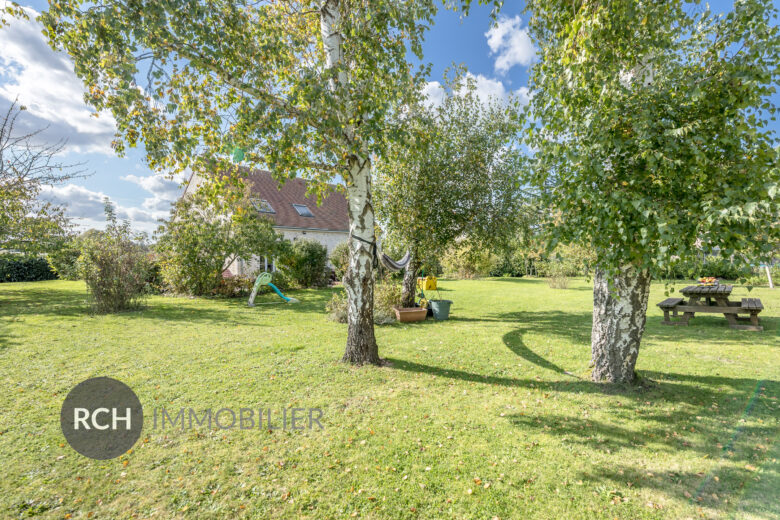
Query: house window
point(303, 210)
point(262, 205)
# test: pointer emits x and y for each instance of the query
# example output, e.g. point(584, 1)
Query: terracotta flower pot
point(407, 314)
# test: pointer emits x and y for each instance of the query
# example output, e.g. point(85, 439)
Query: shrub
point(234, 287)
point(281, 280)
point(115, 266)
point(64, 260)
point(387, 295)
point(463, 261)
point(337, 307)
point(25, 269)
point(339, 257)
point(557, 268)
point(557, 274)
point(201, 234)
point(558, 282)
point(759, 279)
point(510, 263)
point(154, 279)
point(305, 262)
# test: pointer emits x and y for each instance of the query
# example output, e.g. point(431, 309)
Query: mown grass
point(489, 414)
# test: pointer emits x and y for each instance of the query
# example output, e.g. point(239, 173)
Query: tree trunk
point(409, 288)
point(618, 323)
point(359, 279)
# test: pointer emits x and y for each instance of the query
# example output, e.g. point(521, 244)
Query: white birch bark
point(332, 40)
point(619, 315)
point(359, 278)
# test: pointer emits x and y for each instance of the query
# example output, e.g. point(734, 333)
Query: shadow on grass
point(719, 418)
point(516, 280)
point(32, 300)
point(714, 430)
point(673, 388)
point(726, 419)
point(736, 428)
point(72, 304)
point(514, 340)
point(410, 366)
point(68, 302)
point(6, 340)
point(576, 327)
point(740, 486)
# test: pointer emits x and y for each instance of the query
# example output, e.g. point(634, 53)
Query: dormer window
point(303, 210)
point(262, 205)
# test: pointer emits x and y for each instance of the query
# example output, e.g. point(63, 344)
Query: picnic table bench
point(716, 300)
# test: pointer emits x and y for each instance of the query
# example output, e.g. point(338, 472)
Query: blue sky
point(44, 81)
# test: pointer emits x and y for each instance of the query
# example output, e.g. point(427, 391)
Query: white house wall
point(330, 239)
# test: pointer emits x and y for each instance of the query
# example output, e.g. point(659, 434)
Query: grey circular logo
point(101, 418)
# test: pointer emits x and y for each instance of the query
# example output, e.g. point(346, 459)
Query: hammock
point(392, 265)
point(386, 261)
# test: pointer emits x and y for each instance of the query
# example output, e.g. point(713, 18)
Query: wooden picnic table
point(716, 300)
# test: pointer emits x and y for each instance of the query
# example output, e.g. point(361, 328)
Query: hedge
point(25, 269)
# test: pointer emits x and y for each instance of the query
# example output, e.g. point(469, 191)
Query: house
point(295, 215)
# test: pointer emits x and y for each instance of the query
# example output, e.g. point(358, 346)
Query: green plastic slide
point(265, 279)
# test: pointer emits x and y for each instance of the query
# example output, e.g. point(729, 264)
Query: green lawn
point(490, 414)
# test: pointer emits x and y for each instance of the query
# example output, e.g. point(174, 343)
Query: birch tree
point(652, 144)
point(301, 87)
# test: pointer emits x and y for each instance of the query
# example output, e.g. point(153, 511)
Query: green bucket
point(441, 309)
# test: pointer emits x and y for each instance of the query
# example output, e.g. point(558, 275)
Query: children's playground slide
point(265, 279)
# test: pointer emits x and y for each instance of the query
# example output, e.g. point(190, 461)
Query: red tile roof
point(331, 215)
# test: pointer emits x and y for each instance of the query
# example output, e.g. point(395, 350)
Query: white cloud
point(486, 89)
point(524, 94)
point(164, 191)
point(434, 91)
point(45, 83)
point(511, 44)
point(85, 206)
point(81, 202)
